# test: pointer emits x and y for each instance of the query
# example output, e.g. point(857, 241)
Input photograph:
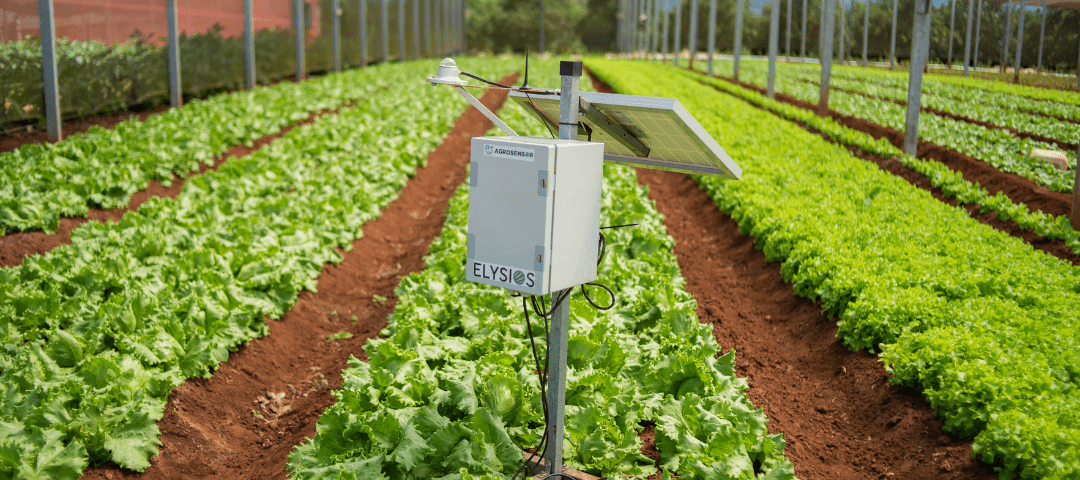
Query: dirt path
point(242, 423)
point(840, 416)
point(16, 246)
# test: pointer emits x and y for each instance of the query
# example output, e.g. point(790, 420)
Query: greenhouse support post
point(802, 51)
point(787, 34)
point(416, 28)
point(543, 17)
point(667, 26)
point(952, 29)
point(978, 34)
point(384, 29)
point(967, 41)
point(774, 40)
point(249, 46)
point(1005, 37)
point(693, 32)
point(865, 32)
point(654, 29)
point(920, 39)
point(176, 97)
point(843, 32)
point(828, 28)
point(712, 33)
point(363, 33)
point(1042, 37)
point(427, 28)
point(560, 321)
point(401, 30)
point(1019, 42)
point(336, 12)
point(738, 37)
point(678, 31)
point(892, 47)
point(436, 23)
point(447, 31)
point(48, 70)
point(1076, 193)
point(298, 30)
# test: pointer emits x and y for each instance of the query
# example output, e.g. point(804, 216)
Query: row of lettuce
point(40, 183)
point(996, 147)
point(96, 334)
point(984, 325)
point(951, 182)
point(452, 391)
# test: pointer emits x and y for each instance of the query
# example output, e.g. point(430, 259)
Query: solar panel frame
point(676, 141)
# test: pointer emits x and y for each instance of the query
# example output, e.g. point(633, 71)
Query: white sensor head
point(447, 74)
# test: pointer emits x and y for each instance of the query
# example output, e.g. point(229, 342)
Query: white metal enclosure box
point(534, 213)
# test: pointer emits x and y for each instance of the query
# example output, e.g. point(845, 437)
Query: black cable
point(486, 81)
point(591, 302)
point(620, 226)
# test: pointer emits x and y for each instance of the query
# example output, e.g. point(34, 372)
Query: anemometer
point(534, 203)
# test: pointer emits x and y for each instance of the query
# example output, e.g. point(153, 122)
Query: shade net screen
point(111, 54)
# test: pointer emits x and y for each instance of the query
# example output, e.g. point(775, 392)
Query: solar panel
point(650, 132)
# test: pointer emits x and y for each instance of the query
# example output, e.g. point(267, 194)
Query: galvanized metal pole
point(436, 22)
point(654, 29)
point(560, 321)
point(461, 27)
point(920, 39)
point(738, 36)
point(363, 33)
point(428, 52)
point(693, 31)
point(1005, 37)
point(843, 32)
point(176, 98)
point(1019, 42)
point(336, 7)
point(952, 28)
point(401, 30)
point(828, 28)
point(1042, 37)
point(385, 20)
point(447, 30)
point(787, 34)
point(665, 34)
point(543, 18)
point(892, 48)
point(866, 33)
point(967, 41)
point(298, 29)
point(678, 30)
point(978, 35)
point(249, 46)
point(802, 52)
point(48, 68)
point(1076, 193)
point(416, 28)
point(712, 33)
point(774, 40)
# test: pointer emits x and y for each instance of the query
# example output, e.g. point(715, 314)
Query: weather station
point(534, 203)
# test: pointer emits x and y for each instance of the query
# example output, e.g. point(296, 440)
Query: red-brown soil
point(243, 422)
point(22, 136)
point(840, 416)
point(16, 246)
point(1060, 144)
point(1017, 188)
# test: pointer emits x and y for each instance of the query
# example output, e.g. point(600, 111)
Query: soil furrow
point(960, 118)
point(837, 411)
point(243, 422)
point(1017, 188)
point(16, 246)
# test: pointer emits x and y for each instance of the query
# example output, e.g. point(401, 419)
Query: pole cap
point(570, 69)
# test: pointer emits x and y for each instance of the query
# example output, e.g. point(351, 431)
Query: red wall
point(113, 21)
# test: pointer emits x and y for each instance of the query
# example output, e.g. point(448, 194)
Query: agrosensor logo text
point(512, 277)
